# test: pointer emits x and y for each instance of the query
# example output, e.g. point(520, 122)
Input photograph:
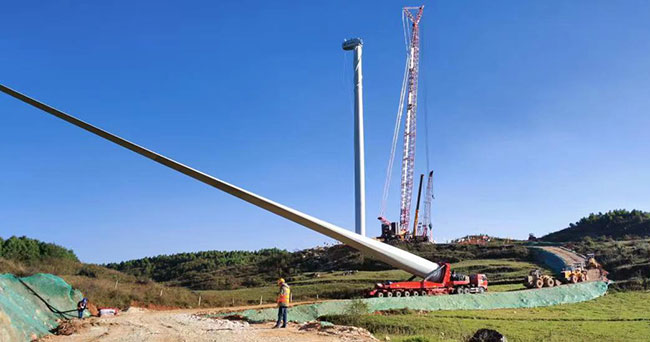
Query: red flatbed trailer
point(446, 283)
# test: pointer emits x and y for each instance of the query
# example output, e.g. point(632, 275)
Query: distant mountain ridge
point(616, 224)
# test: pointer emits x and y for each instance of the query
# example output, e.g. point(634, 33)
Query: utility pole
point(356, 44)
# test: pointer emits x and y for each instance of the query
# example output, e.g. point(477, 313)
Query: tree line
point(28, 250)
point(618, 224)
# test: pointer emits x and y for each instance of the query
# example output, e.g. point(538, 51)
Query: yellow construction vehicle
point(595, 270)
point(592, 263)
point(575, 273)
point(536, 279)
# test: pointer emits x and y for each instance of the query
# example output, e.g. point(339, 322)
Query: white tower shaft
point(359, 158)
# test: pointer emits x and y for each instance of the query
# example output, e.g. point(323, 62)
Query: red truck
point(443, 282)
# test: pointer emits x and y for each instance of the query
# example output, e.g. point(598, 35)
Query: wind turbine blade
point(391, 255)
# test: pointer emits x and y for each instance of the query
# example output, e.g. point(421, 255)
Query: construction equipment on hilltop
point(480, 240)
point(595, 270)
point(575, 273)
point(536, 279)
point(447, 282)
point(401, 230)
point(591, 261)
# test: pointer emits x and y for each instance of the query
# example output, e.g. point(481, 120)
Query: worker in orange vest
point(284, 296)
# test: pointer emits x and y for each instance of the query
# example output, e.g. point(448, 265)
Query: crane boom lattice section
point(408, 159)
point(427, 227)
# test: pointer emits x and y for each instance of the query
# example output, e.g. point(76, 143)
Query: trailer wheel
point(481, 289)
point(424, 293)
point(468, 290)
point(549, 282)
point(407, 293)
point(389, 294)
point(398, 294)
point(416, 293)
point(380, 294)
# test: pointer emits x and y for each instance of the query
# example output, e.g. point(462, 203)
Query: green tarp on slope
point(553, 261)
point(565, 294)
point(23, 315)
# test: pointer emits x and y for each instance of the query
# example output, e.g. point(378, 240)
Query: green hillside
point(616, 224)
point(244, 277)
point(23, 256)
point(221, 270)
point(504, 275)
point(628, 261)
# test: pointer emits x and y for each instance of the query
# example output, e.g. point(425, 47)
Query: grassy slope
point(99, 283)
point(218, 270)
point(110, 287)
point(620, 316)
point(338, 285)
point(107, 287)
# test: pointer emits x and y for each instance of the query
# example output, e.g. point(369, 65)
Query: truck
point(444, 281)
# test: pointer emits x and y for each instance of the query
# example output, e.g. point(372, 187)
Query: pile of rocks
point(342, 332)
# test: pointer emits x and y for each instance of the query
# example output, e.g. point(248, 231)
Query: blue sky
point(538, 115)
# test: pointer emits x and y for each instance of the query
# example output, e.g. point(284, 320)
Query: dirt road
point(139, 325)
point(569, 257)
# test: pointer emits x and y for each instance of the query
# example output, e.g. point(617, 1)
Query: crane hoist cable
point(400, 110)
point(391, 159)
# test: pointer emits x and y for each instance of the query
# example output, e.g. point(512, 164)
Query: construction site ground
point(204, 325)
point(139, 325)
point(615, 317)
point(619, 316)
point(571, 258)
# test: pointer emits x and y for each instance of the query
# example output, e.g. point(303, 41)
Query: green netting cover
point(497, 300)
point(553, 261)
point(23, 315)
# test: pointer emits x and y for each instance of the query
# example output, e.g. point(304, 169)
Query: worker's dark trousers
point(282, 316)
point(81, 313)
